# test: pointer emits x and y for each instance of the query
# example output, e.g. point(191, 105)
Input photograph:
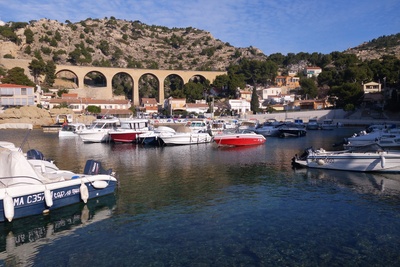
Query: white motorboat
point(219, 126)
point(370, 158)
point(196, 126)
point(248, 126)
point(71, 129)
point(312, 124)
point(98, 131)
point(387, 138)
point(31, 185)
point(179, 138)
point(129, 130)
point(328, 124)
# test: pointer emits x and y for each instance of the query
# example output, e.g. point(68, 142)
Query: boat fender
point(320, 162)
point(48, 197)
point(383, 161)
point(100, 184)
point(8, 205)
point(84, 192)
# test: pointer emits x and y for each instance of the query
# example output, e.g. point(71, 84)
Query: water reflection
point(22, 239)
point(202, 205)
point(383, 184)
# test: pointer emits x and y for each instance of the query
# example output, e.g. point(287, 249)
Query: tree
point(257, 72)
point(194, 91)
point(172, 84)
point(221, 81)
point(94, 109)
point(254, 103)
point(308, 88)
point(61, 92)
point(50, 71)
point(29, 36)
point(278, 58)
point(17, 76)
point(348, 93)
point(37, 68)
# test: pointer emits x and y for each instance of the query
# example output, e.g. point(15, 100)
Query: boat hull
point(33, 202)
point(292, 132)
point(151, 141)
point(94, 137)
point(361, 162)
point(124, 137)
point(186, 139)
point(71, 130)
point(239, 139)
point(268, 131)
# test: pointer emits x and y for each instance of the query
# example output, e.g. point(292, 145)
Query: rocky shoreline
point(39, 117)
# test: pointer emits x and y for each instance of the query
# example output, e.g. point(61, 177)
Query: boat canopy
point(16, 169)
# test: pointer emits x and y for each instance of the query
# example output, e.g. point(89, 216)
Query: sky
point(274, 26)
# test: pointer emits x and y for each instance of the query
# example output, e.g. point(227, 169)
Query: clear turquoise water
point(203, 206)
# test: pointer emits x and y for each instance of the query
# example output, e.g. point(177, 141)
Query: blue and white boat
point(152, 137)
point(312, 124)
point(31, 185)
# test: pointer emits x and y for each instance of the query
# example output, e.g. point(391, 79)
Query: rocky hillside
point(376, 48)
point(121, 43)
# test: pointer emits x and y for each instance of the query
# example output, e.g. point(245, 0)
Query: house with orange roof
point(291, 82)
point(245, 94)
point(149, 105)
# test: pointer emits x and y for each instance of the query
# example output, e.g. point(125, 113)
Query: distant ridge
point(376, 48)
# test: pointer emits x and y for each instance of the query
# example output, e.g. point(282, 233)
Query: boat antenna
point(25, 138)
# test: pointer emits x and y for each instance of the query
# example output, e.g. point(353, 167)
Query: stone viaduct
point(81, 71)
point(106, 92)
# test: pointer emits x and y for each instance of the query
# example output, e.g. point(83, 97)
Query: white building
point(16, 95)
point(372, 87)
point(239, 105)
point(282, 98)
point(312, 71)
point(270, 92)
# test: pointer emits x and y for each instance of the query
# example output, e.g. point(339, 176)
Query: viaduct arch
point(106, 92)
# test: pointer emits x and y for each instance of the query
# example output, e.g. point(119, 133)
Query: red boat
point(239, 139)
point(129, 130)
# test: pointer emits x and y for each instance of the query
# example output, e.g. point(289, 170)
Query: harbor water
point(200, 205)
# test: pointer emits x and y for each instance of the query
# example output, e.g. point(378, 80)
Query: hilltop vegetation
point(120, 43)
point(378, 47)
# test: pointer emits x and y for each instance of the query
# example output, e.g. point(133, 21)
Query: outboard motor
point(34, 154)
point(93, 167)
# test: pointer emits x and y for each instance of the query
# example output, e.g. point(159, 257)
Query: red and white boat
point(239, 139)
point(129, 130)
